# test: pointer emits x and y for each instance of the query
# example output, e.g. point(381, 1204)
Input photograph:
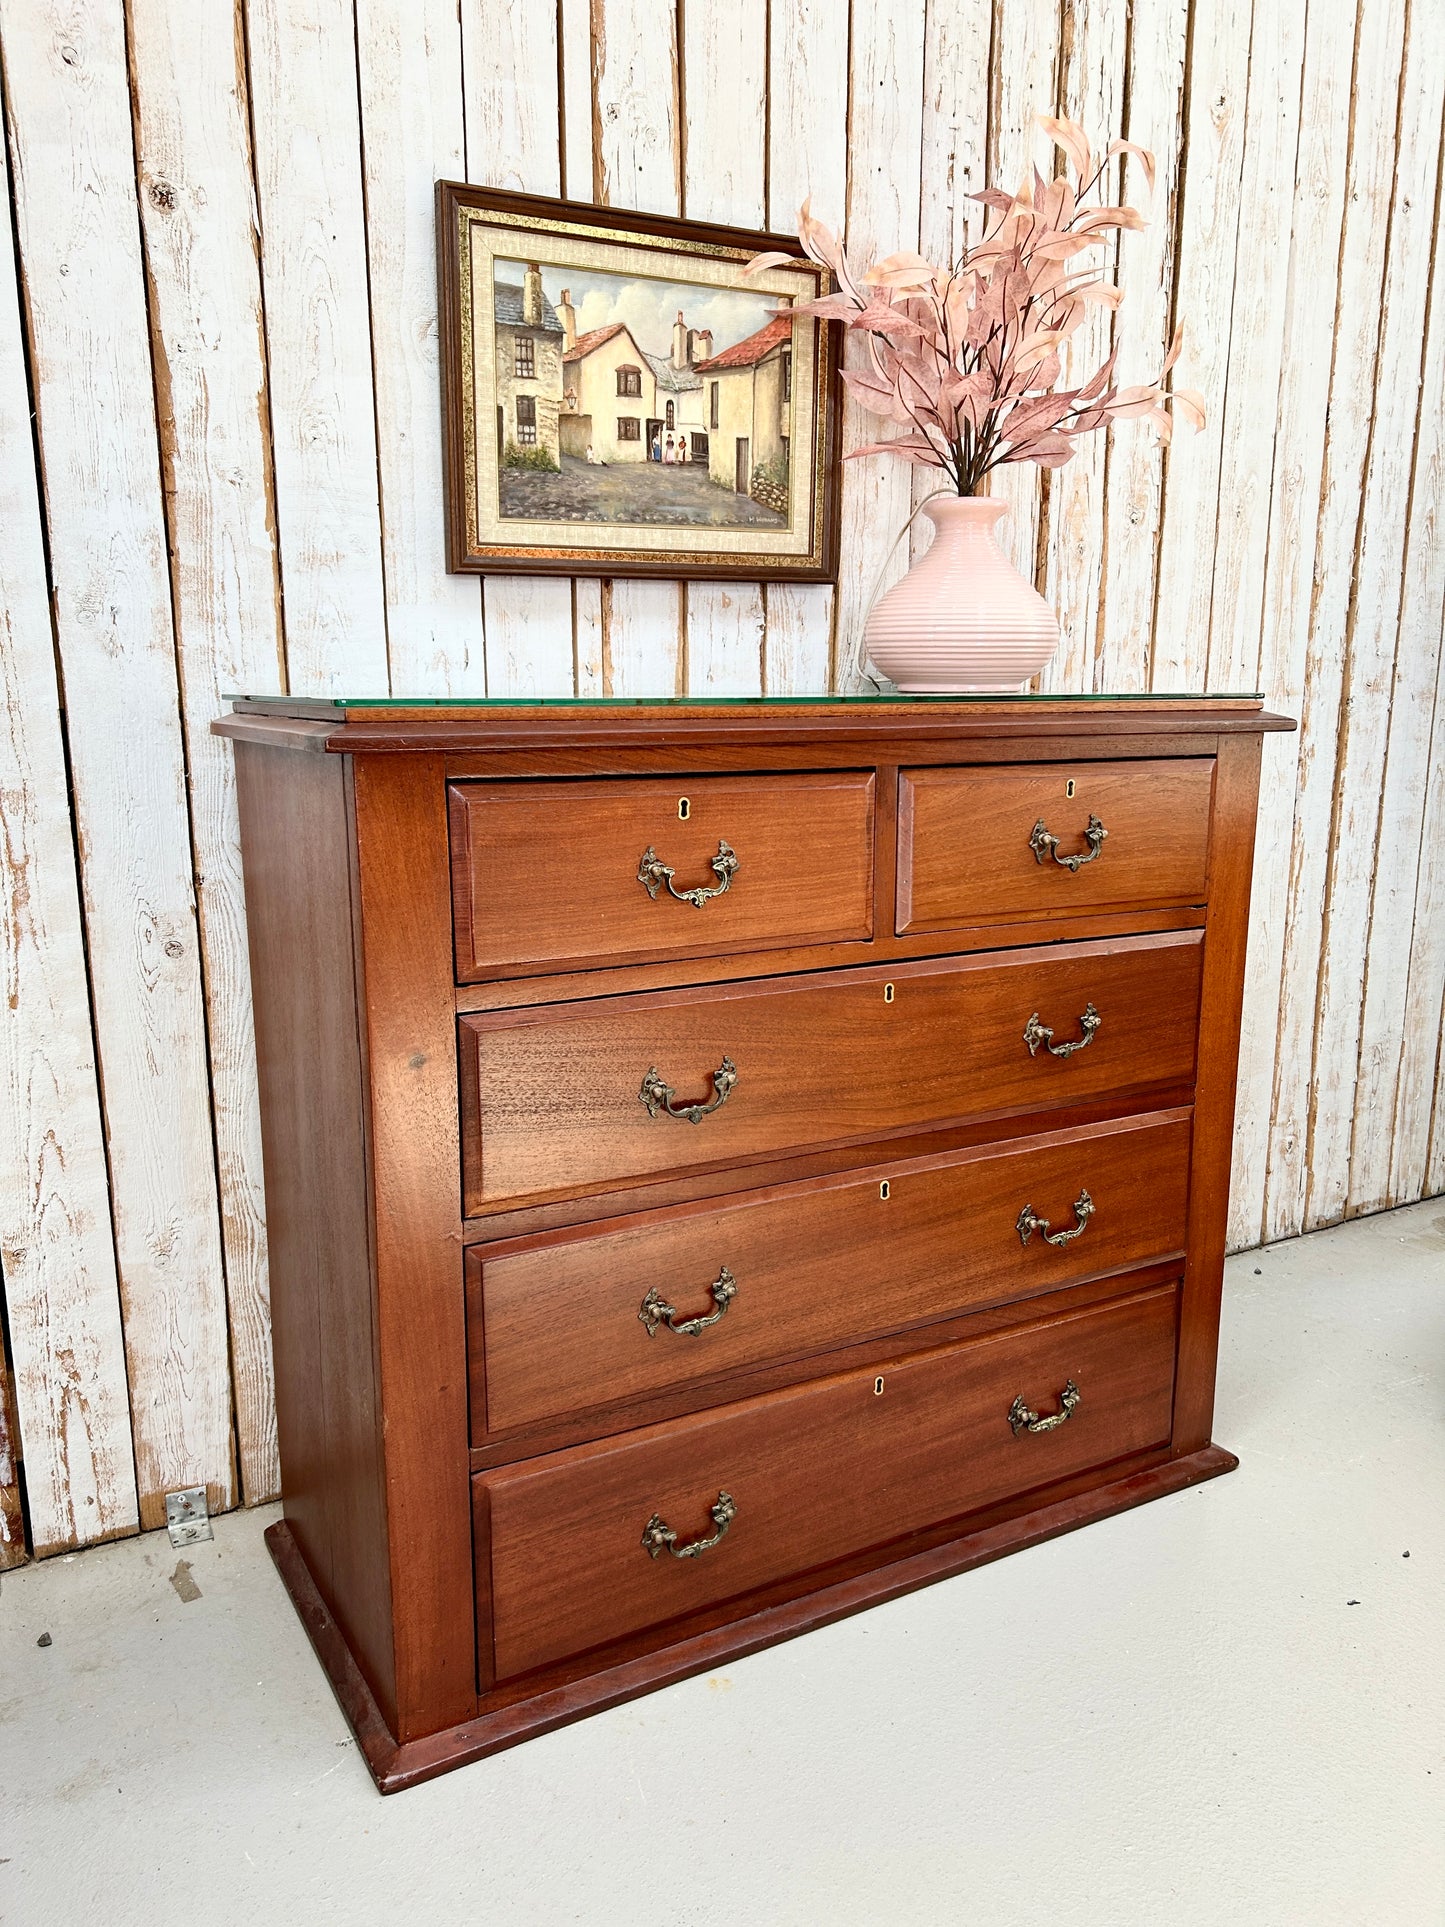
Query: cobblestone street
point(636, 492)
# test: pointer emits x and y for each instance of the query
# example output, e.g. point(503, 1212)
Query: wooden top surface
point(373, 724)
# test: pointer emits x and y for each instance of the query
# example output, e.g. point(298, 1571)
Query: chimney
point(567, 315)
point(532, 296)
point(704, 344)
point(679, 342)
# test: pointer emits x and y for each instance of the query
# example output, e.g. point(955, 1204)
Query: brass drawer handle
point(656, 1310)
point(1029, 1222)
point(1023, 1419)
point(658, 1096)
point(1036, 1033)
point(1043, 844)
point(658, 1536)
point(652, 873)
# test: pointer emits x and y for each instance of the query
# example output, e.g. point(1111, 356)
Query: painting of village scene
point(639, 402)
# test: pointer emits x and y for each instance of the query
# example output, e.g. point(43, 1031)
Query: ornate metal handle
point(1023, 1419)
point(658, 1096)
point(652, 873)
point(658, 1536)
point(1036, 1033)
point(724, 1288)
point(1043, 844)
point(1029, 1222)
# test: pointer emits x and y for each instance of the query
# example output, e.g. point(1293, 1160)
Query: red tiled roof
point(744, 353)
point(584, 344)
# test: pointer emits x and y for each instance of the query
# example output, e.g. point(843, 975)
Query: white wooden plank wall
point(220, 468)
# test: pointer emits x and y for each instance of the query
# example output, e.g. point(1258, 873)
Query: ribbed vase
point(963, 619)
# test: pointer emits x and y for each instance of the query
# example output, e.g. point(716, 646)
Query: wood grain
point(310, 196)
point(409, 58)
point(554, 1328)
point(194, 175)
point(13, 1549)
point(79, 236)
point(820, 1472)
point(550, 1096)
point(529, 899)
point(57, 1261)
point(964, 853)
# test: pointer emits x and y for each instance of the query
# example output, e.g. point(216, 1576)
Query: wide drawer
point(568, 1099)
point(556, 876)
point(573, 1549)
point(589, 1318)
point(1043, 839)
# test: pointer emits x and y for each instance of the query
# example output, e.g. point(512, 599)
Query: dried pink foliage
point(966, 359)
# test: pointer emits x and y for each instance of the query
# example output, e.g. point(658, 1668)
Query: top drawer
point(1045, 838)
point(554, 876)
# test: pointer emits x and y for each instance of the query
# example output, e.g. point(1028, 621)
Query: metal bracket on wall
point(188, 1517)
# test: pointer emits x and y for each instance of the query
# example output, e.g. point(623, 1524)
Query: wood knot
point(163, 195)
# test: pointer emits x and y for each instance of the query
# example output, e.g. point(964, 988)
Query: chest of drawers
point(726, 1165)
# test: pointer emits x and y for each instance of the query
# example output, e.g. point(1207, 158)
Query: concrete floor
point(1225, 1707)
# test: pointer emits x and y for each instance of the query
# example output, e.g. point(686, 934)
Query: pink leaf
point(1141, 154)
point(1189, 403)
point(1068, 135)
point(773, 260)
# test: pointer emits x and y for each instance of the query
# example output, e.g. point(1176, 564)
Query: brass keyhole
point(878, 1388)
point(888, 993)
point(684, 806)
point(883, 1191)
point(1069, 787)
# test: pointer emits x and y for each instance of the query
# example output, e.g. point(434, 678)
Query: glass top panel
point(727, 702)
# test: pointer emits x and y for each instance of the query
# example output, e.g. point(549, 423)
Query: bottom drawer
point(572, 1545)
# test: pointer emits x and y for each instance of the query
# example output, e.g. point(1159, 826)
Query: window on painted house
point(527, 421)
point(671, 417)
point(629, 381)
point(629, 428)
point(526, 363)
point(712, 404)
point(787, 375)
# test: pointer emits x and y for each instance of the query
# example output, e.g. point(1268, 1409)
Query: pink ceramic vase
point(963, 619)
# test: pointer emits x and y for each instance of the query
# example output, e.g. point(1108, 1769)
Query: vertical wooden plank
point(13, 1550)
point(955, 155)
point(80, 254)
point(1299, 452)
point(313, 256)
point(637, 114)
point(1379, 51)
point(1091, 91)
point(194, 176)
point(513, 139)
point(807, 161)
point(724, 63)
point(574, 28)
point(1376, 807)
point(409, 59)
point(1249, 402)
point(1423, 1024)
point(1134, 472)
point(56, 1256)
point(885, 135)
point(1024, 83)
point(1218, 82)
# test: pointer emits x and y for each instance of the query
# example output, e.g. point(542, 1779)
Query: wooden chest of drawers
point(726, 1165)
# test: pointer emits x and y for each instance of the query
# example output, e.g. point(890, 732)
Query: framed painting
point(618, 400)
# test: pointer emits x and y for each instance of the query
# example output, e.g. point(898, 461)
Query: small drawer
point(579, 1548)
point(562, 876)
point(1041, 839)
point(573, 1099)
point(588, 1318)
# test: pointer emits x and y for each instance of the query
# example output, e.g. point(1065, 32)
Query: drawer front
point(983, 843)
point(582, 1320)
point(816, 1474)
point(545, 876)
point(554, 1104)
